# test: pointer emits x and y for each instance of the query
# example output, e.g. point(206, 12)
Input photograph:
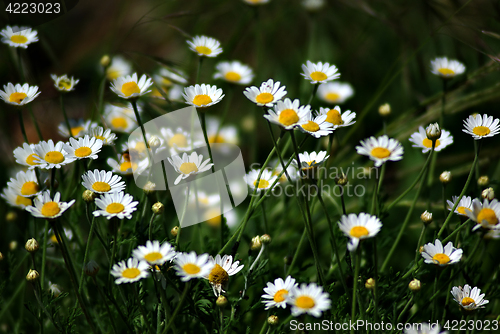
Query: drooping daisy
point(63, 83)
point(267, 180)
point(316, 126)
point(425, 328)
point(179, 140)
point(26, 155)
point(78, 128)
point(128, 87)
point(102, 182)
point(469, 299)
point(205, 46)
point(310, 160)
point(25, 184)
point(420, 140)
point(486, 214)
point(234, 72)
point(202, 96)
point(83, 148)
point(45, 207)
point(481, 126)
point(106, 136)
point(130, 271)
point(275, 293)
point(189, 165)
point(18, 95)
point(14, 199)
point(288, 114)
point(319, 72)
point(381, 149)
point(154, 253)
point(463, 206)
point(119, 67)
point(50, 155)
point(120, 119)
point(335, 92)
point(222, 269)
point(18, 36)
point(337, 118)
point(446, 68)
point(118, 205)
point(308, 298)
point(359, 227)
point(434, 253)
point(190, 265)
point(267, 95)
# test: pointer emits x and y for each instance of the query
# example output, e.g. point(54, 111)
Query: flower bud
point(256, 243)
point(11, 216)
point(158, 208)
point(426, 217)
point(370, 284)
point(149, 187)
point(341, 180)
point(91, 268)
point(105, 60)
point(483, 181)
point(221, 301)
point(1, 256)
point(414, 285)
point(488, 193)
point(433, 132)
point(31, 245)
point(32, 276)
point(89, 196)
point(265, 239)
point(13, 245)
point(154, 142)
point(273, 320)
point(384, 110)
point(174, 231)
point(445, 177)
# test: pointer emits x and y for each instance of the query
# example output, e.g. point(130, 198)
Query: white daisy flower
point(316, 126)
point(189, 165)
point(481, 126)
point(486, 215)
point(359, 227)
point(25, 184)
point(425, 328)
point(15, 200)
point(275, 293)
point(168, 77)
point(106, 136)
point(67, 232)
point(45, 207)
point(256, 2)
point(154, 253)
point(202, 96)
point(337, 118)
point(102, 182)
point(434, 253)
point(463, 206)
point(313, 5)
point(310, 160)
point(179, 140)
point(118, 205)
point(319, 72)
point(446, 68)
point(26, 155)
point(469, 299)
point(267, 95)
point(82, 148)
point(63, 83)
point(234, 72)
point(222, 269)
point(420, 140)
point(292, 171)
point(288, 114)
point(18, 95)
point(267, 180)
point(120, 119)
point(124, 165)
point(190, 265)
point(218, 134)
point(130, 271)
point(128, 87)
point(308, 298)
point(79, 128)
point(119, 67)
point(55, 289)
point(50, 155)
point(205, 46)
point(381, 149)
point(18, 36)
point(335, 92)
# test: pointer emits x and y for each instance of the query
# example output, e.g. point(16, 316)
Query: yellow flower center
point(218, 276)
point(50, 209)
point(191, 268)
point(481, 130)
point(288, 117)
point(153, 256)
point(178, 139)
point(130, 88)
point(488, 215)
point(166, 82)
point(358, 232)
point(333, 116)
point(20, 200)
point(82, 152)
point(232, 76)
point(140, 146)
point(115, 208)
point(446, 71)
point(318, 76)
point(304, 302)
point(53, 238)
point(64, 84)
point(311, 126)
point(380, 152)
point(280, 295)
point(216, 139)
point(332, 97)
point(212, 216)
point(112, 73)
point(125, 165)
point(262, 184)
point(203, 50)
point(104, 140)
point(30, 160)
point(76, 130)
point(101, 186)
point(54, 157)
point(131, 273)
point(467, 301)
point(17, 97)
point(119, 122)
point(264, 98)
point(441, 258)
point(188, 167)
point(463, 210)
point(428, 143)
point(29, 188)
point(19, 39)
point(202, 100)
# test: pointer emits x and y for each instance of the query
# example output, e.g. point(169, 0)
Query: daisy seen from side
point(189, 265)
point(18, 95)
point(205, 46)
point(435, 253)
point(120, 205)
point(335, 92)
point(130, 271)
point(276, 292)
point(26, 155)
point(63, 83)
point(381, 149)
point(288, 114)
point(25, 184)
point(129, 87)
point(234, 72)
point(420, 140)
point(45, 207)
point(486, 214)
point(267, 180)
point(481, 126)
point(101, 182)
point(189, 165)
point(83, 148)
point(267, 94)
point(308, 298)
point(319, 72)
point(154, 253)
point(223, 268)
point(337, 118)
point(464, 205)
point(202, 96)
point(469, 298)
point(446, 68)
point(359, 227)
point(19, 37)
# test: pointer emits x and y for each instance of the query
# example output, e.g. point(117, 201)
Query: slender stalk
point(66, 120)
point(315, 89)
point(297, 250)
point(375, 269)
point(21, 124)
point(143, 311)
point(417, 251)
point(35, 123)
point(407, 306)
point(177, 309)
point(101, 294)
point(150, 224)
point(355, 286)
point(86, 255)
point(138, 117)
point(434, 304)
point(44, 254)
point(443, 102)
point(198, 70)
point(178, 238)
point(114, 226)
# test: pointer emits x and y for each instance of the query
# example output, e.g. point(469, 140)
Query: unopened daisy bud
point(273, 320)
point(265, 239)
point(483, 181)
point(88, 196)
point(55, 289)
point(414, 285)
point(31, 245)
point(256, 243)
point(149, 187)
point(384, 110)
point(426, 217)
point(174, 231)
point(341, 180)
point(154, 142)
point(488, 193)
point(445, 177)
point(221, 301)
point(11, 216)
point(421, 249)
point(248, 123)
point(433, 132)
point(32, 276)
point(13, 245)
point(370, 284)
point(91, 268)
point(105, 60)
point(158, 208)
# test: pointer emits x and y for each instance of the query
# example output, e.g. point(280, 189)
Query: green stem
point(355, 285)
point(177, 309)
point(315, 89)
point(114, 226)
point(86, 255)
point(417, 251)
point(44, 254)
point(150, 224)
point(297, 250)
point(21, 124)
point(66, 120)
point(33, 119)
point(198, 70)
point(143, 311)
point(138, 117)
point(101, 294)
point(407, 306)
point(178, 238)
point(434, 304)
